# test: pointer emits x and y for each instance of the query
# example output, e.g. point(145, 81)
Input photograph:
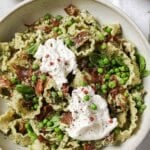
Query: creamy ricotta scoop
point(57, 60)
point(89, 123)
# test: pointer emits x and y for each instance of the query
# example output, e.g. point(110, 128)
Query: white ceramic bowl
point(104, 12)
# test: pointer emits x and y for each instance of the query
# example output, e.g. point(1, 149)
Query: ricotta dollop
point(57, 60)
point(88, 124)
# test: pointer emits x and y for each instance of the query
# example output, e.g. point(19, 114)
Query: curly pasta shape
point(86, 50)
point(134, 77)
point(17, 137)
point(123, 135)
point(17, 105)
point(6, 119)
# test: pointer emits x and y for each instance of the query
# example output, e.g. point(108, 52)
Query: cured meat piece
point(4, 82)
point(65, 88)
point(72, 10)
point(22, 72)
point(55, 22)
point(45, 111)
point(81, 38)
point(39, 87)
point(43, 140)
point(88, 147)
point(21, 127)
point(67, 118)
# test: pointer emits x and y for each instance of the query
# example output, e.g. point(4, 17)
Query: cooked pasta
point(61, 64)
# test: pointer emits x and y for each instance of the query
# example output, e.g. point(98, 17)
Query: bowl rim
point(105, 3)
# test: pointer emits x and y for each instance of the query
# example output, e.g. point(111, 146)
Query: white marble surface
point(139, 12)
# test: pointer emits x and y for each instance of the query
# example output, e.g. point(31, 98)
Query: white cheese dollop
point(57, 60)
point(89, 124)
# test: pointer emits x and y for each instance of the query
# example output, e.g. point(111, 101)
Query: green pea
point(104, 87)
point(105, 61)
point(57, 130)
point(104, 91)
point(123, 68)
point(112, 84)
point(107, 77)
point(47, 16)
point(93, 106)
point(101, 36)
point(14, 80)
point(34, 78)
point(86, 98)
point(55, 29)
point(33, 136)
point(103, 46)
point(108, 29)
point(35, 106)
point(122, 81)
point(58, 17)
point(35, 66)
point(50, 124)
point(55, 118)
point(100, 70)
point(60, 137)
point(41, 125)
point(116, 70)
point(45, 121)
point(35, 99)
point(59, 31)
point(68, 42)
point(123, 75)
point(113, 62)
point(43, 77)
